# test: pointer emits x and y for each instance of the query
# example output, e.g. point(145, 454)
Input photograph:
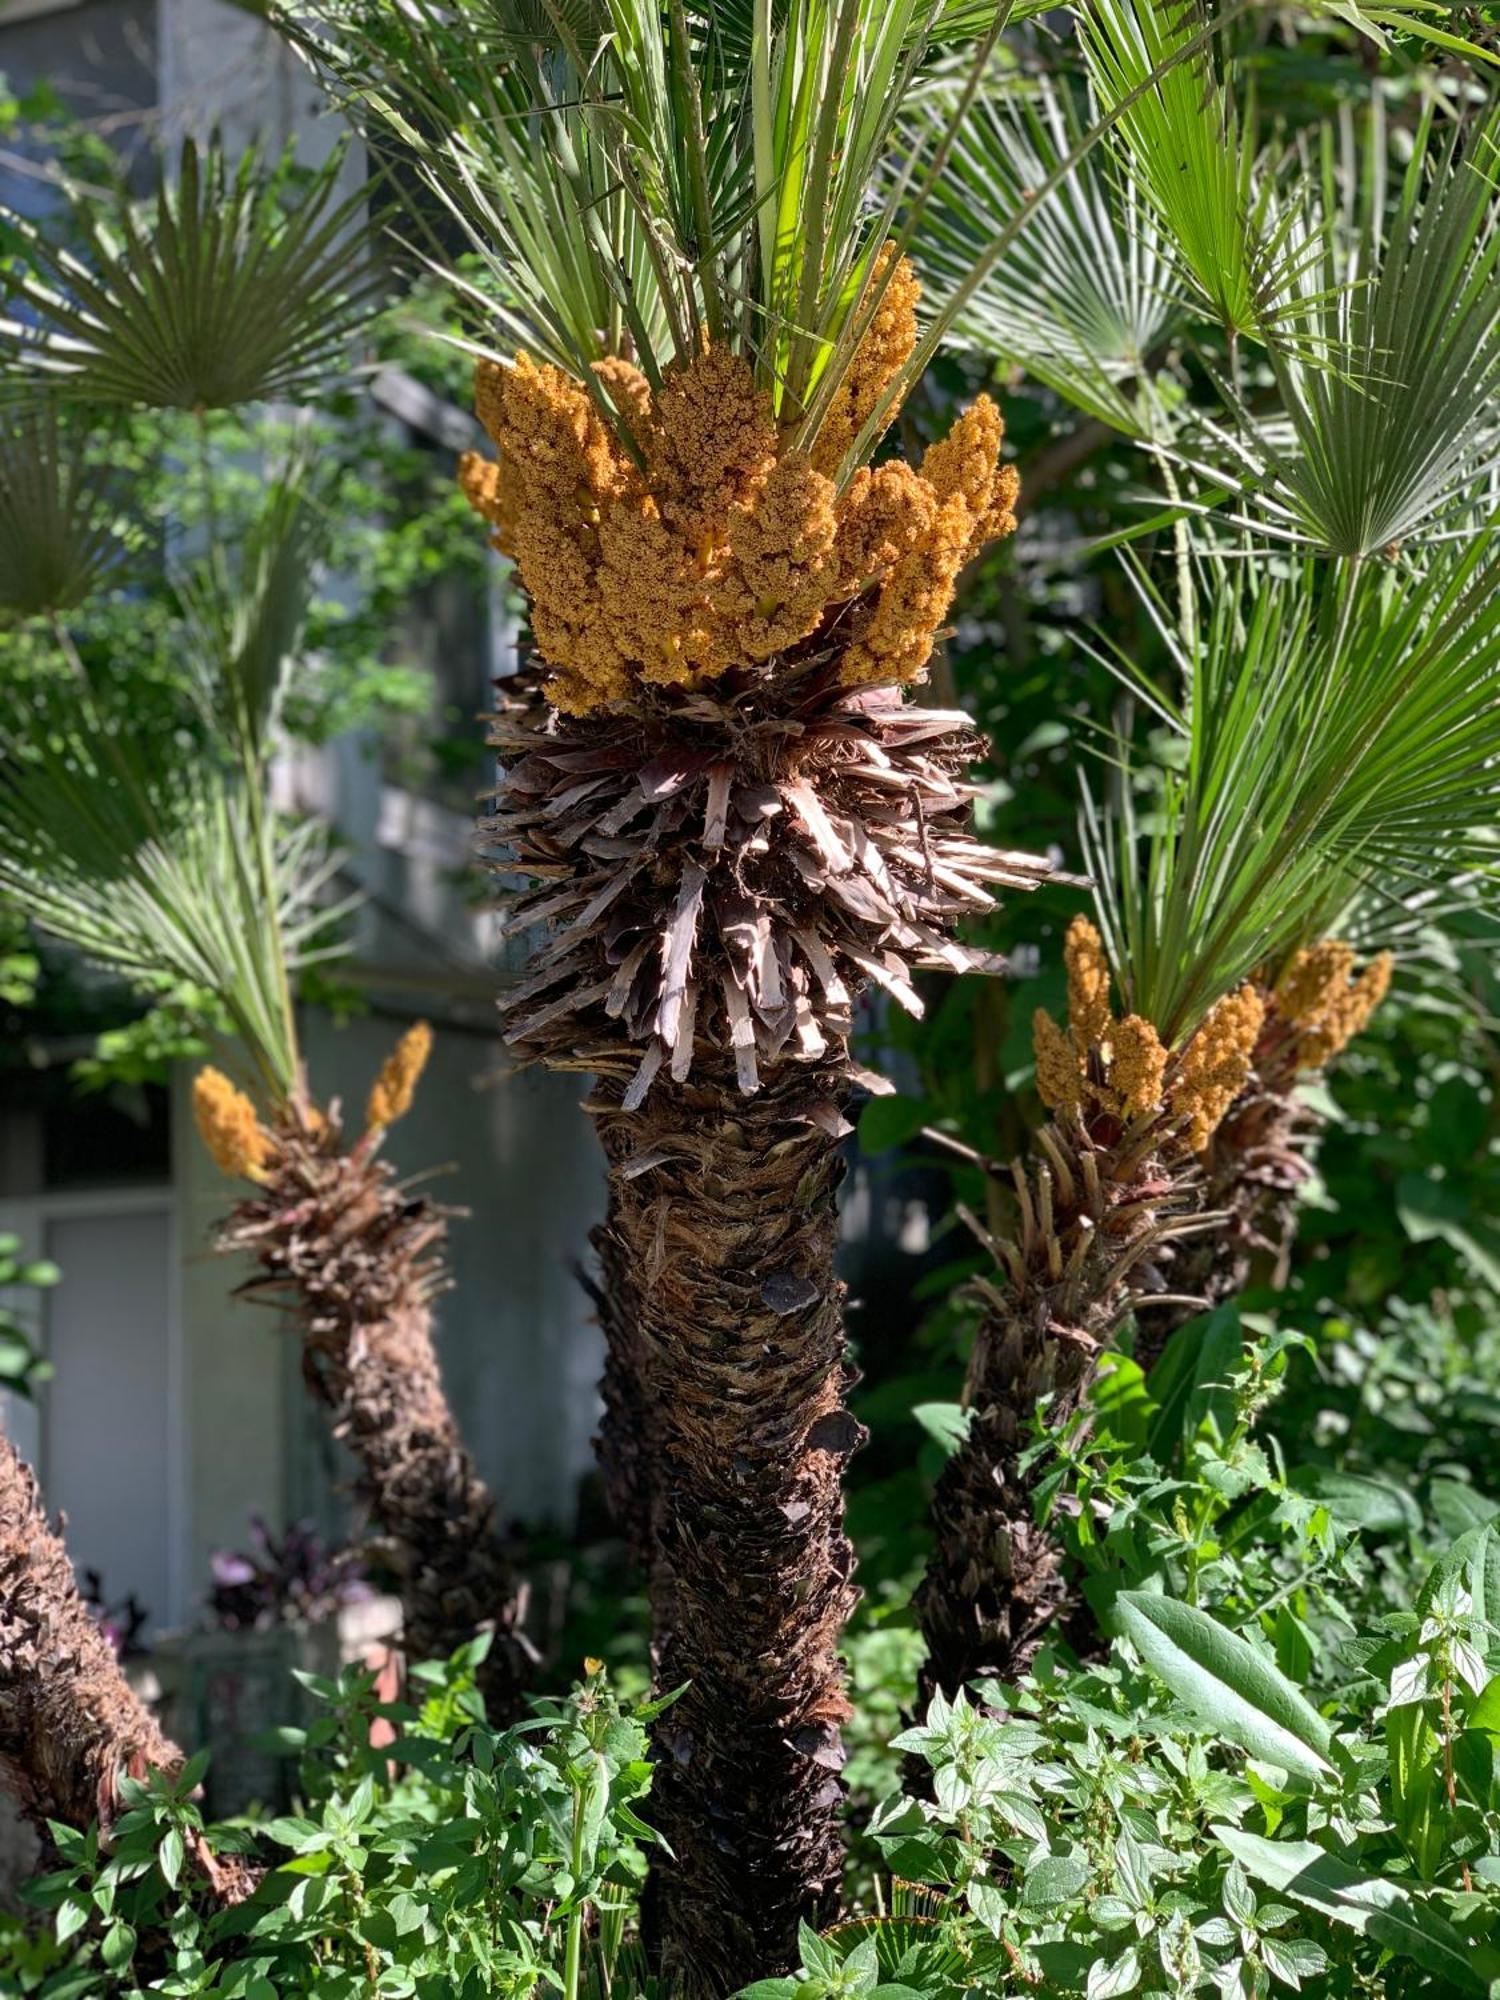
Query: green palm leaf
point(210, 295)
point(66, 530)
point(1398, 420)
point(1325, 747)
point(1089, 290)
point(157, 854)
point(1192, 155)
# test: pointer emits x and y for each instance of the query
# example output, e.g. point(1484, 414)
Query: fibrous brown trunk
point(359, 1260)
point(623, 1445)
point(727, 1208)
point(70, 1723)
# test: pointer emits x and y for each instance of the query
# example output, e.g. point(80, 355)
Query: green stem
point(573, 1961)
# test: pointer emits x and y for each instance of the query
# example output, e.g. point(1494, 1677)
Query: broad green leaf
point(1233, 1688)
point(947, 1424)
point(1385, 1911)
point(1188, 1377)
point(1460, 1507)
point(1356, 1501)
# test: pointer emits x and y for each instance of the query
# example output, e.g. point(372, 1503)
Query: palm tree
point(690, 228)
point(1327, 742)
point(163, 858)
point(1355, 279)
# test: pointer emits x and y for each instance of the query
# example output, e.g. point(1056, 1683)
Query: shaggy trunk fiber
point(71, 1725)
point(1094, 1213)
point(358, 1260)
point(728, 1209)
point(624, 1446)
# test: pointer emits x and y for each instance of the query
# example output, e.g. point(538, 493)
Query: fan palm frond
point(244, 612)
point(213, 294)
point(1399, 418)
point(66, 530)
point(702, 170)
point(1192, 154)
point(151, 865)
point(157, 853)
point(1089, 290)
point(1324, 747)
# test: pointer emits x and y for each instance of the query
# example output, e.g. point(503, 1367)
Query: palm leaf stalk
point(172, 870)
point(1323, 744)
point(71, 1725)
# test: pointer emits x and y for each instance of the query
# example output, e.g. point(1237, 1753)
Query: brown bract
point(732, 871)
point(720, 548)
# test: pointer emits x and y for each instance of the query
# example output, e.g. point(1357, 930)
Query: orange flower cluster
point(1215, 1066)
point(1129, 1061)
point(725, 547)
point(885, 348)
point(1324, 1000)
point(229, 1127)
point(1123, 1068)
point(392, 1092)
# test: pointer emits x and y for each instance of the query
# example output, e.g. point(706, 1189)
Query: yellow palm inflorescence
point(726, 546)
point(1123, 1067)
point(1215, 1066)
point(394, 1088)
point(1327, 1003)
point(229, 1127)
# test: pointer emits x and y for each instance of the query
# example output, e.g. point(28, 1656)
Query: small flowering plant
point(291, 1578)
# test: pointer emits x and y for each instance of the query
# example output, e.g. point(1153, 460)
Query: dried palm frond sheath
point(1114, 1181)
point(728, 823)
point(358, 1260)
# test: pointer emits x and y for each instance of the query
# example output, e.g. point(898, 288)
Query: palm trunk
point(1114, 1180)
point(1095, 1212)
point(729, 1212)
point(732, 823)
point(71, 1725)
point(359, 1259)
point(625, 1450)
